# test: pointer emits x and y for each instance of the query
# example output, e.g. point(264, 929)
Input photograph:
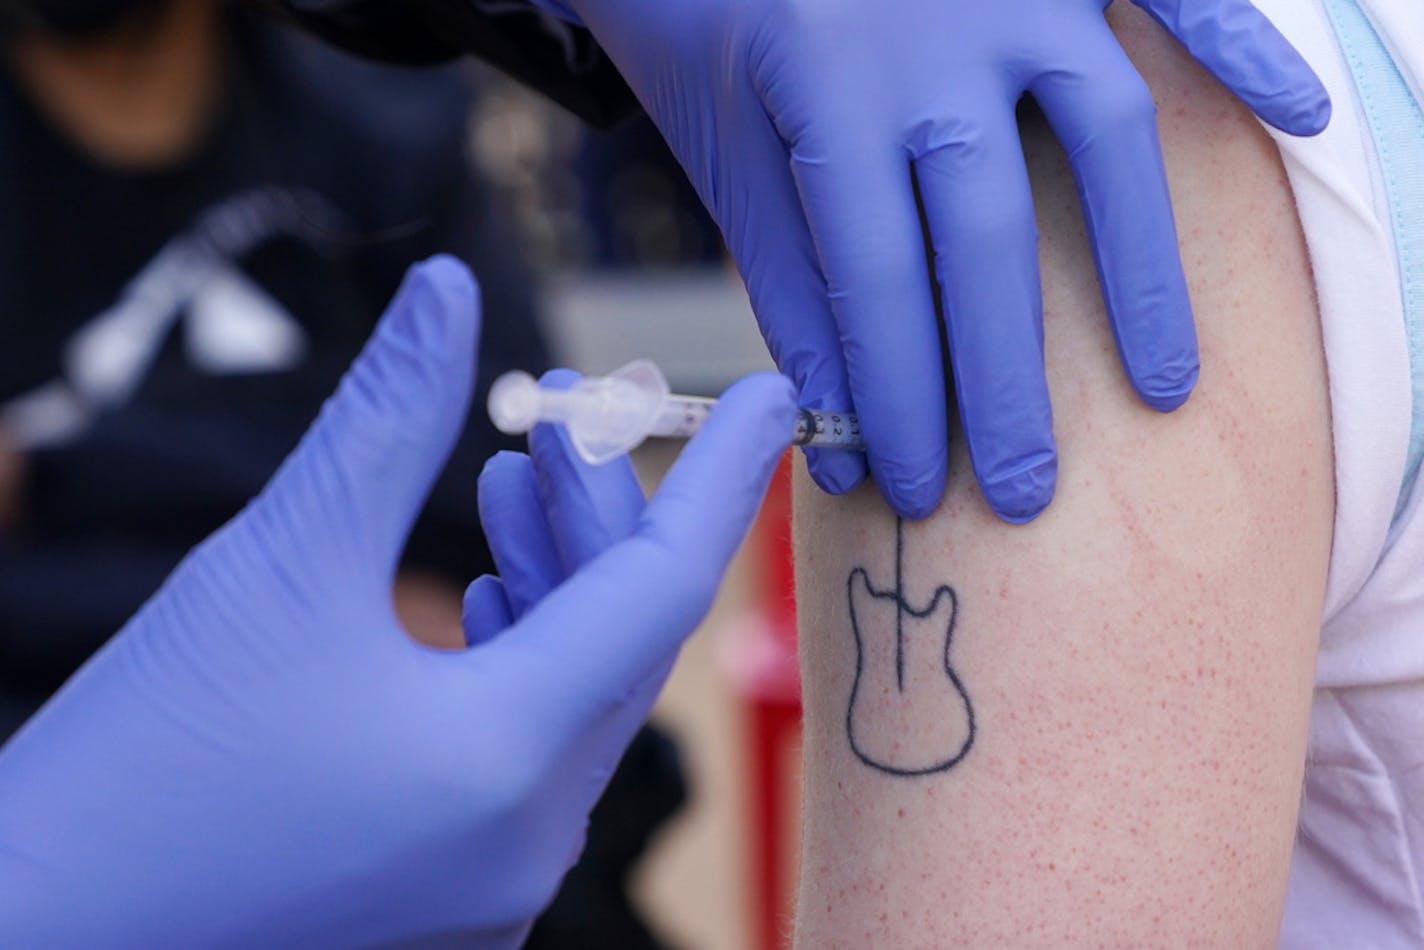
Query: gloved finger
point(762, 220)
point(588, 507)
point(859, 200)
point(517, 531)
point(356, 482)
point(1244, 50)
point(625, 613)
point(486, 612)
point(1103, 114)
point(975, 189)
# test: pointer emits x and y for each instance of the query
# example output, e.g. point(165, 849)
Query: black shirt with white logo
point(166, 335)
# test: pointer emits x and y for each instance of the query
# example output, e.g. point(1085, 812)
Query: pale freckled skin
point(1140, 656)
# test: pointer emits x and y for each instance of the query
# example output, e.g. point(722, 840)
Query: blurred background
point(204, 213)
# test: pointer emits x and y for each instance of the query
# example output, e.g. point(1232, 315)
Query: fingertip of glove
point(1021, 515)
point(447, 274)
point(550, 441)
point(560, 378)
point(1022, 495)
point(913, 492)
point(768, 395)
point(1310, 113)
point(1305, 115)
point(438, 307)
point(503, 460)
point(911, 507)
point(503, 484)
point(1316, 118)
point(1306, 120)
point(1319, 117)
point(484, 612)
point(1168, 391)
point(835, 472)
point(768, 385)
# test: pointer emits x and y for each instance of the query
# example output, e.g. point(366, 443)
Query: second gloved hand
point(800, 122)
point(262, 756)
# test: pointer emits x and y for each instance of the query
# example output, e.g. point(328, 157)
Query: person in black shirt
point(204, 215)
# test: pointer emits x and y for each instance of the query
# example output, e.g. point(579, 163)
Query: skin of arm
point(1110, 748)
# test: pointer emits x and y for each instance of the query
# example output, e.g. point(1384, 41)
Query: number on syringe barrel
point(693, 415)
point(832, 428)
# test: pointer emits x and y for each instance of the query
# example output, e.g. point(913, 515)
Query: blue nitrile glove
point(799, 122)
point(263, 757)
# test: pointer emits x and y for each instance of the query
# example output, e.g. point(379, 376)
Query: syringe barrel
point(607, 416)
point(681, 416)
point(558, 405)
point(829, 430)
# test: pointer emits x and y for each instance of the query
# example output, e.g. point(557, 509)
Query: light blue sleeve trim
point(1397, 125)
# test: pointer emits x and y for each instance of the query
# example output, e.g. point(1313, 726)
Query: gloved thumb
point(346, 498)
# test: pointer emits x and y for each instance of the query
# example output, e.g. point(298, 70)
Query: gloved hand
point(800, 122)
point(263, 757)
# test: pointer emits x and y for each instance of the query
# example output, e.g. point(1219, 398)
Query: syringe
point(607, 416)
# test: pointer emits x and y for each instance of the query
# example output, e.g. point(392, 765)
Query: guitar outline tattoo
point(903, 608)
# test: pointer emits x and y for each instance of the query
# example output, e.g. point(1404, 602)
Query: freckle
point(901, 813)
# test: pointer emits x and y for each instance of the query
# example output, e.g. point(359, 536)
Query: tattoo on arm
point(909, 713)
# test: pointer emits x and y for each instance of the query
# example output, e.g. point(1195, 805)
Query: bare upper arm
point(1138, 660)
